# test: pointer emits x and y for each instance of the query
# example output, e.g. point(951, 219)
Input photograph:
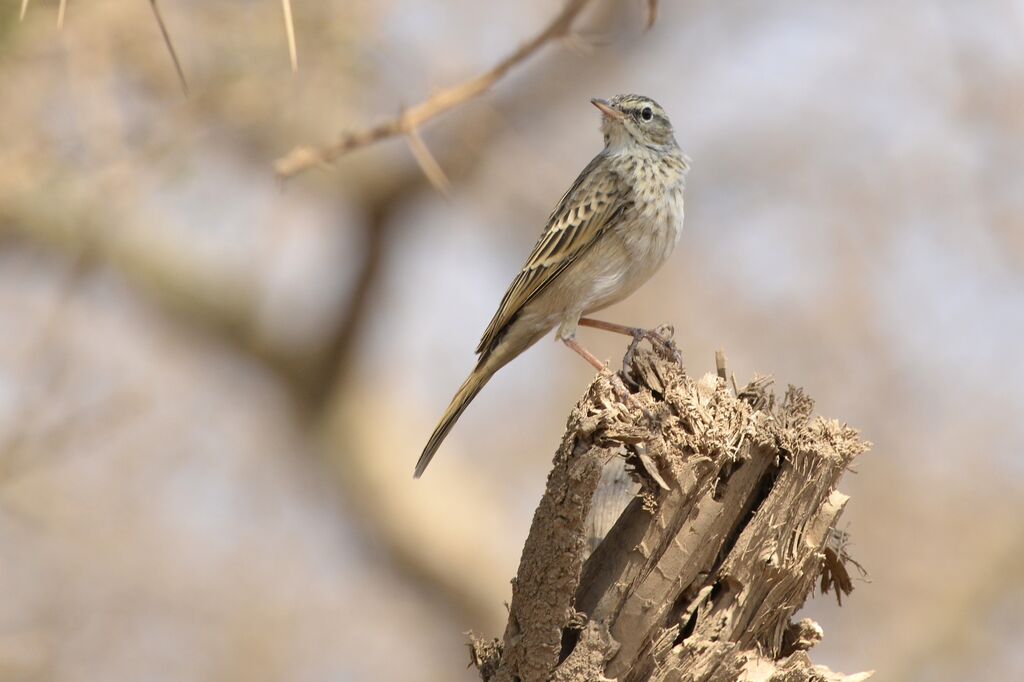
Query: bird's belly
point(642, 249)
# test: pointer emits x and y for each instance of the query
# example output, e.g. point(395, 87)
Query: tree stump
point(732, 525)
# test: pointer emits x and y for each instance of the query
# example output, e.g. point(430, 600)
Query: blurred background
point(214, 386)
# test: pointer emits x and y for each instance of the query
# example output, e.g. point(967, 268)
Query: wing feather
point(583, 213)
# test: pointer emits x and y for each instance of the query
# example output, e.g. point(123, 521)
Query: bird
point(609, 233)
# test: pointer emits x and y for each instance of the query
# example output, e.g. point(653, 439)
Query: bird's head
point(634, 119)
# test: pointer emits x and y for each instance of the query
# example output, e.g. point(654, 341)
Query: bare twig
point(24, 6)
point(289, 28)
point(60, 13)
point(170, 46)
point(302, 158)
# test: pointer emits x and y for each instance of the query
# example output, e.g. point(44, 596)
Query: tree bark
point(730, 528)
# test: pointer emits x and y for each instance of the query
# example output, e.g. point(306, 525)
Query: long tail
point(476, 380)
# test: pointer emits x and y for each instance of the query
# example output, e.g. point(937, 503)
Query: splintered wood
point(696, 582)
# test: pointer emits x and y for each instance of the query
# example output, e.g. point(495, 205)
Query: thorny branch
point(410, 120)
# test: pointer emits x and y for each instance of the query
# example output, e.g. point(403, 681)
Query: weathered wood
point(698, 582)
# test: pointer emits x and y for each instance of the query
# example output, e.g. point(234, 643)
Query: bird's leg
point(635, 332)
point(585, 354)
point(620, 389)
point(623, 394)
point(655, 336)
point(611, 327)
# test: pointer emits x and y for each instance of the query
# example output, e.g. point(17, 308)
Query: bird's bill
point(606, 108)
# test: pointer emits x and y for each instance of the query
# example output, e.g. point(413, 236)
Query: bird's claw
point(627, 360)
point(661, 338)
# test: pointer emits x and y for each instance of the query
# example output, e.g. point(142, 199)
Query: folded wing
point(592, 204)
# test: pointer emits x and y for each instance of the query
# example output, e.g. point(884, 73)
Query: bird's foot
point(660, 339)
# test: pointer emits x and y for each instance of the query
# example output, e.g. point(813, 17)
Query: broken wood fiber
point(697, 582)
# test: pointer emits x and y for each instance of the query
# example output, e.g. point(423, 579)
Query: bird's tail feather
point(460, 402)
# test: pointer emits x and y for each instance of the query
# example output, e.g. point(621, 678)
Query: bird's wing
point(591, 205)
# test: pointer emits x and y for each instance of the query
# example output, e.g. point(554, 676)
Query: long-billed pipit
point(610, 232)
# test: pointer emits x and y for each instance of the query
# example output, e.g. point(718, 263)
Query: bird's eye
point(647, 113)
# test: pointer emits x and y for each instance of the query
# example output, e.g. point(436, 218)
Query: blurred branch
point(698, 582)
point(409, 121)
point(447, 538)
point(48, 334)
point(331, 373)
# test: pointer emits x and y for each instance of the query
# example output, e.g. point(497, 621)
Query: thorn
point(170, 46)
point(428, 164)
point(652, 14)
point(290, 30)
